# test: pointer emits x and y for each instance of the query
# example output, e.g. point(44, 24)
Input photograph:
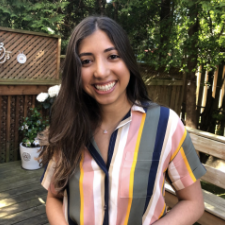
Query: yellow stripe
point(81, 192)
point(187, 164)
point(181, 142)
point(133, 168)
point(163, 185)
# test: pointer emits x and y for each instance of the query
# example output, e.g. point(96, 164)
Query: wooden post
point(205, 91)
point(25, 105)
point(17, 127)
point(8, 129)
point(215, 82)
point(222, 90)
point(198, 74)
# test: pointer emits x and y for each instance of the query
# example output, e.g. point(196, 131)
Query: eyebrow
point(106, 50)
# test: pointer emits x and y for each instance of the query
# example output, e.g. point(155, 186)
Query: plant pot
point(28, 157)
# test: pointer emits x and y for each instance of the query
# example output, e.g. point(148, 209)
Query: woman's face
point(105, 76)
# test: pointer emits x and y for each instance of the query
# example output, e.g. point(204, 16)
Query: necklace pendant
point(105, 131)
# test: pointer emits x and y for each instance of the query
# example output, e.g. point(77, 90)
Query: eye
point(85, 62)
point(113, 56)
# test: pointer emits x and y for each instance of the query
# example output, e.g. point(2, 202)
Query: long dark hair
point(75, 114)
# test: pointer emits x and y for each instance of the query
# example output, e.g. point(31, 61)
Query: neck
point(113, 114)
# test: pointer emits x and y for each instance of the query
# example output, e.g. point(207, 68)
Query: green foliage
point(41, 16)
point(31, 126)
point(159, 31)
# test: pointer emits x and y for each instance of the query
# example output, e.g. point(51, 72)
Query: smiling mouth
point(105, 87)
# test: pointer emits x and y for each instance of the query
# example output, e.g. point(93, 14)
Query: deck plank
point(20, 190)
point(23, 215)
point(37, 220)
point(21, 206)
point(22, 198)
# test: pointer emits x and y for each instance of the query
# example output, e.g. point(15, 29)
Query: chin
point(105, 101)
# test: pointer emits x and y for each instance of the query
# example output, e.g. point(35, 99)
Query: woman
point(110, 148)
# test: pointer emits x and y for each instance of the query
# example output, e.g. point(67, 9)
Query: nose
point(102, 69)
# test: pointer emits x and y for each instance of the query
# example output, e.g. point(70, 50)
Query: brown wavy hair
point(74, 113)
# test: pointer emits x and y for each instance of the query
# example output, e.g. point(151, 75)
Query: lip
point(104, 92)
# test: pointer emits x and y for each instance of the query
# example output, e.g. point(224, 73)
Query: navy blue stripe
point(106, 216)
point(161, 131)
point(94, 153)
point(127, 115)
point(97, 158)
point(111, 147)
point(44, 172)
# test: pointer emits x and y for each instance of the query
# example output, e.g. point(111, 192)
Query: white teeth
point(106, 87)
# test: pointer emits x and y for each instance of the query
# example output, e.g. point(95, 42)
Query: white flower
point(26, 127)
point(22, 127)
point(54, 90)
point(42, 97)
point(36, 142)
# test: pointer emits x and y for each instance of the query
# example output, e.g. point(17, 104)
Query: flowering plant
point(47, 99)
point(31, 127)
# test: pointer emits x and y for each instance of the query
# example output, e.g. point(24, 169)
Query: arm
point(189, 208)
point(54, 209)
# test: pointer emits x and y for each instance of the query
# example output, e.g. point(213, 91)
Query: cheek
point(124, 71)
point(84, 77)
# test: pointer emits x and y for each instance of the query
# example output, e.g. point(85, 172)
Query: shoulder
point(162, 111)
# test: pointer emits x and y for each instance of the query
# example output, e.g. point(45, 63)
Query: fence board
point(208, 146)
point(214, 176)
point(23, 89)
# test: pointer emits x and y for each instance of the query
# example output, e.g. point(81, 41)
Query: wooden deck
point(22, 198)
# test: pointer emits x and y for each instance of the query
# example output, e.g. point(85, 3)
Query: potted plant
point(29, 146)
point(32, 126)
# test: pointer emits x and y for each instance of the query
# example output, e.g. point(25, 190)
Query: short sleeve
point(184, 167)
point(47, 176)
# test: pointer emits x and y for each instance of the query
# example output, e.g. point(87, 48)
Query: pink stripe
point(177, 135)
point(160, 204)
point(89, 216)
point(124, 179)
point(182, 170)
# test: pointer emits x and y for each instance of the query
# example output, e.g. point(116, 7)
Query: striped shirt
point(148, 146)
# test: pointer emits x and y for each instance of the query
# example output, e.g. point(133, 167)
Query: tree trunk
point(191, 113)
point(165, 25)
point(101, 7)
point(115, 6)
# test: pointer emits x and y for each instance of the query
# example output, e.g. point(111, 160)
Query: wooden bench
point(214, 206)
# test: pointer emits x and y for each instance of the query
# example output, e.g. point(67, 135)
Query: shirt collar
point(128, 117)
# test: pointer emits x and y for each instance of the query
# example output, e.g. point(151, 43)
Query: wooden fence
point(210, 100)
point(15, 102)
point(20, 83)
point(166, 92)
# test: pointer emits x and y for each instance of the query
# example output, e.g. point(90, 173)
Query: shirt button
point(105, 207)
